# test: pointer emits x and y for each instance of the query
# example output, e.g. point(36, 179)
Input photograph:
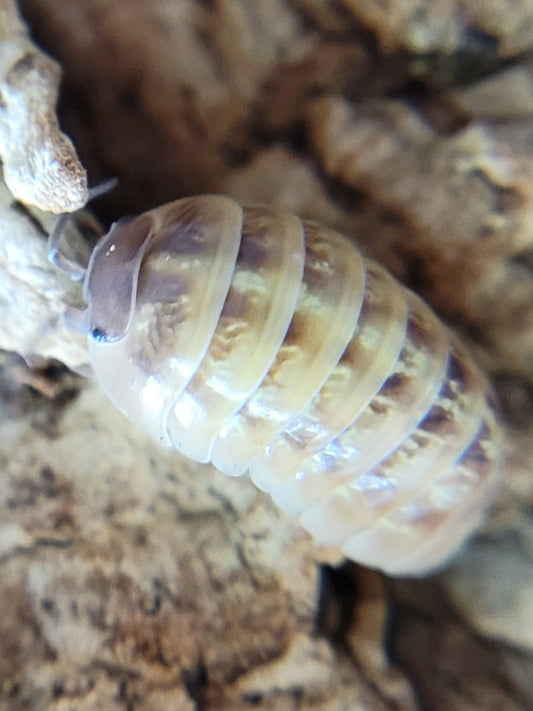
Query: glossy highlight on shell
point(264, 343)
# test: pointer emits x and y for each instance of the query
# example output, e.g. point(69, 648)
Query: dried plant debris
point(505, 95)
point(136, 575)
point(38, 303)
point(40, 164)
point(447, 26)
point(464, 203)
point(453, 667)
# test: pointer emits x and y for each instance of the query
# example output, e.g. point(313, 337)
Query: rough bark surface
point(132, 579)
point(40, 163)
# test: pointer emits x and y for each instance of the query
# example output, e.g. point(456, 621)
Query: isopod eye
point(99, 335)
point(111, 284)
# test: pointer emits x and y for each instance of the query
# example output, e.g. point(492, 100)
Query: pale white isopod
point(261, 342)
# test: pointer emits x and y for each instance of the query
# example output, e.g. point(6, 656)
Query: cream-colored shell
point(264, 343)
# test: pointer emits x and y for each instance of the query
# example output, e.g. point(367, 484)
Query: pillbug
point(261, 342)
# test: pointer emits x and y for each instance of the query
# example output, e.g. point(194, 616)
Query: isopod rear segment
point(265, 343)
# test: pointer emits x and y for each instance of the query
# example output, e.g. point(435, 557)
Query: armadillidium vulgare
point(265, 343)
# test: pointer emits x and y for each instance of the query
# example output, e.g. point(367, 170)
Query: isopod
point(261, 342)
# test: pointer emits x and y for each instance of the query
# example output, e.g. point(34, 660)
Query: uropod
point(264, 343)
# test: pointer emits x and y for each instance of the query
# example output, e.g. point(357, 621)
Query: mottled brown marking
point(252, 252)
point(158, 337)
point(457, 371)
point(157, 287)
point(236, 306)
point(380, 408)
point(416, 331)
point(393, 384)
point(223, 342)
point(187, 238)
point(437, 420)
point(476, 455)
point(297, 332)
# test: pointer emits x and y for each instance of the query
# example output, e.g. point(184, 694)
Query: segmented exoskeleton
point(264, 343)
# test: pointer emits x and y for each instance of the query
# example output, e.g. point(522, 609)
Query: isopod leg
point(56, 256)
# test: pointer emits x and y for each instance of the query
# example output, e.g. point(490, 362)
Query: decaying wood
point(40, 164)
